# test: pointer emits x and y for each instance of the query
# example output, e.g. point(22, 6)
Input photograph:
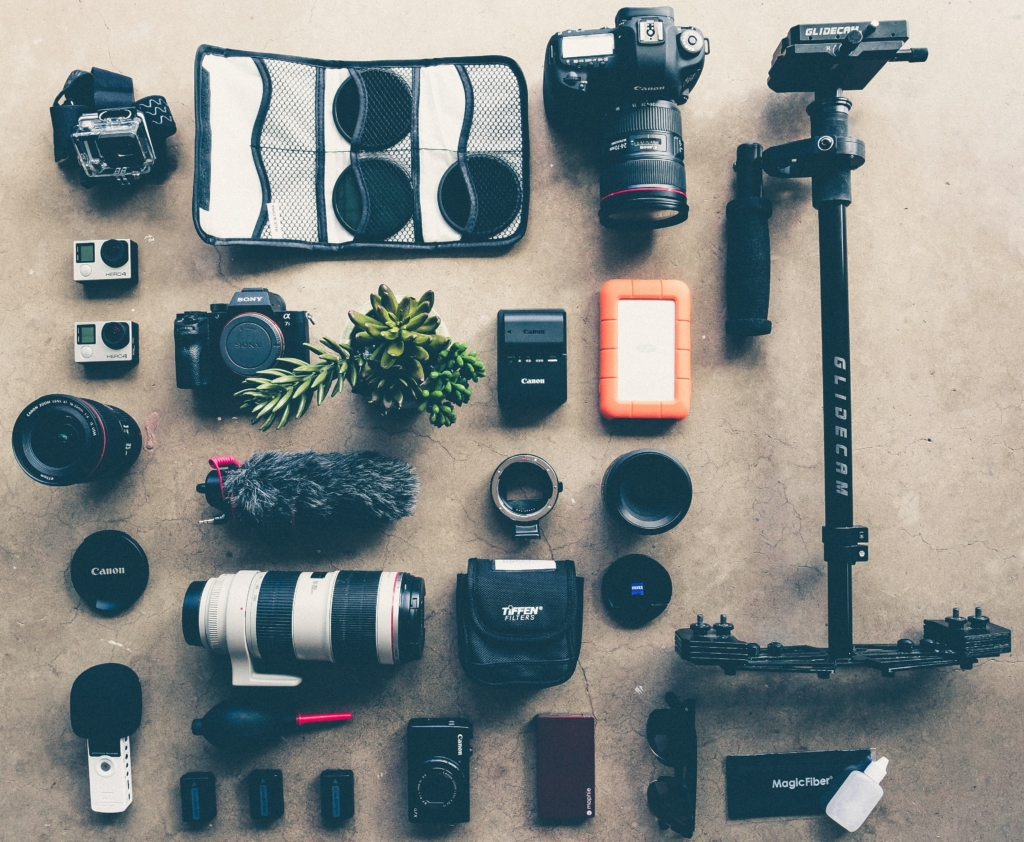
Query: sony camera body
point(629, 80)
point(237, 340)
point(439, 752)
point(107, 343)
point(644, 58)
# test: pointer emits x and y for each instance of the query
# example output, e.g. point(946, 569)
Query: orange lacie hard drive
point(645, 349)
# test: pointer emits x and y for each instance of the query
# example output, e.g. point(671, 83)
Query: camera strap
point(98, 90)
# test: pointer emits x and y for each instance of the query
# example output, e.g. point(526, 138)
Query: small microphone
point(106, 709)
point(281, 493)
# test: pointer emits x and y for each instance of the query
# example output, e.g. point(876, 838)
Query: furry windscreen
point(276, 490)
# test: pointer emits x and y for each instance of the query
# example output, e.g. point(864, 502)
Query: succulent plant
point(395, 358)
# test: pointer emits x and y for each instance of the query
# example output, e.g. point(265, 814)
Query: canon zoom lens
point(342, 616)
point(643, 180)
point(62, 440)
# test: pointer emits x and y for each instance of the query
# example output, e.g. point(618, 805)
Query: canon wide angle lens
point(62, 440)
point(643, 180)
point(353, 616)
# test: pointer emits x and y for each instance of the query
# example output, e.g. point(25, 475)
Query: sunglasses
point(672, 736)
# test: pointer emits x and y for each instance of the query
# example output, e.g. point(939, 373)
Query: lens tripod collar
point(524, 488)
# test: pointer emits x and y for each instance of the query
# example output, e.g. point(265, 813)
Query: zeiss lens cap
point(635, 589)
point(109, 571)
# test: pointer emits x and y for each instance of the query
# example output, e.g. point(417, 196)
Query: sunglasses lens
point(670, 800)
point(664, 737)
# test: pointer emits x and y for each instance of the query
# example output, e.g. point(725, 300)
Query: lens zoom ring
point(354, 616)
point(648, 117)
point(643, 172)
point(274, 616)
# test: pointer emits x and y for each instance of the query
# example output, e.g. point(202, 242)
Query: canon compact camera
point(439, 752)
point(627, 81)
point(237, 340)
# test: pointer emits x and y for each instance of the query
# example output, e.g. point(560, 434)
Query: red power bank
point(565, 767)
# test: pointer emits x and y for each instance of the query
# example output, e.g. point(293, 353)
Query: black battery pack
point(532, 361)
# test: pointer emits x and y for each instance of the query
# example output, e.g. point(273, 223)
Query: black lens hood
point(647, 490)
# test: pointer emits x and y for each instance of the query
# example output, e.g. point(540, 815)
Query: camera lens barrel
point(350, 616)
point(64, 440)
point(643, 179)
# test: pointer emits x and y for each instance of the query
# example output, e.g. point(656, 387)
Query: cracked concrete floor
point(936, 295)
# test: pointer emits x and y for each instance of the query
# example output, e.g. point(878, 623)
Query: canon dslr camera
point(629, 80)
point(237, 340)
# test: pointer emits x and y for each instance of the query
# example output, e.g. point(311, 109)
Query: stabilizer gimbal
point(826, 60)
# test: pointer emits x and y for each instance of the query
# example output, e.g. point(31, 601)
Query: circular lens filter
point(375, 203)
point(373, 109)
point(109, 571)
point(635, 589)
point(498, 195)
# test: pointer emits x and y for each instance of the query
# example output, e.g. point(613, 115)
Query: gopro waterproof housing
point(114, 144)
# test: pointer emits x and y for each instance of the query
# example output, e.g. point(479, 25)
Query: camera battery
point(532, 361)
point(198, 798)
point(337, 796)
point(266, 795)
point(565, 767)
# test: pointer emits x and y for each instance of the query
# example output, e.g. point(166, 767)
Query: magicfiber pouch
point(520, 622)
point(427, 156)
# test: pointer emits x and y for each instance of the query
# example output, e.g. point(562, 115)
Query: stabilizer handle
point(748, 252)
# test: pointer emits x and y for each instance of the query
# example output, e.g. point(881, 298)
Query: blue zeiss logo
point(637, 589)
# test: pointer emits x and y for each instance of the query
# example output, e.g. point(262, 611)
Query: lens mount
point(524, 488)
point(251, 343)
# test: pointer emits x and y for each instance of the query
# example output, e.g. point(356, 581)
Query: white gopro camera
point(110, 775)
point(106, 260)
point(107, 342)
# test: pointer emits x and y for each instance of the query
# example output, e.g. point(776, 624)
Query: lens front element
point(63, 440)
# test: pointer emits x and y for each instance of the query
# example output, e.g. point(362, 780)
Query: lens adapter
point(281, 618)
point(63, 440)
point(524, 488)
point(643, 179)
point(647, 490)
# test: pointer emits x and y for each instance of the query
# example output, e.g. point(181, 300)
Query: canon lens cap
point(110, 571)
point(635, 589)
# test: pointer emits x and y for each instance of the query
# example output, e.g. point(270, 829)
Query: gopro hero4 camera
point(106, 260)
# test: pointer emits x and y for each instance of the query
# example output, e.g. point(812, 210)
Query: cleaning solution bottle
point(858, 795)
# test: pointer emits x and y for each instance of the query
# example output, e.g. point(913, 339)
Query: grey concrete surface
point(936, 266)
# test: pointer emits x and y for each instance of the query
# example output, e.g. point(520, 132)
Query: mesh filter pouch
point(520, 622)
point(428, 156)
